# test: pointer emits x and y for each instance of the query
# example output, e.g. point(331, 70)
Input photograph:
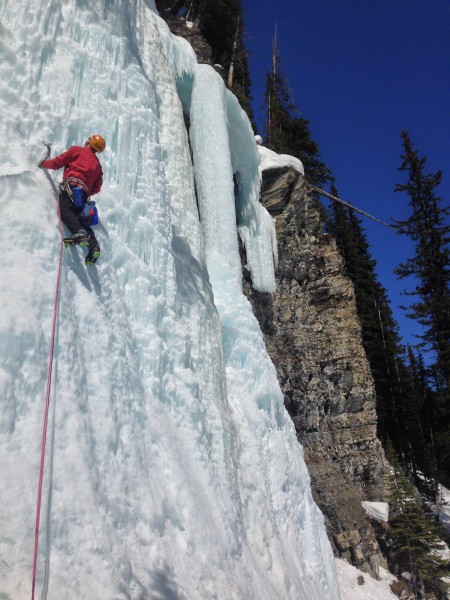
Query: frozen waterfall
point(172, 468)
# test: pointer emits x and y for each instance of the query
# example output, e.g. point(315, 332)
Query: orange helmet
point(97, 142)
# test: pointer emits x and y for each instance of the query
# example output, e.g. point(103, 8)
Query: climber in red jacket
point(82, 178)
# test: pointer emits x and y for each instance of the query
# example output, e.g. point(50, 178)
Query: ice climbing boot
point(92, 255)
point(77, 239)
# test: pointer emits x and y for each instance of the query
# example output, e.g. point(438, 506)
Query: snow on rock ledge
point(268, 159)
point(379, 511)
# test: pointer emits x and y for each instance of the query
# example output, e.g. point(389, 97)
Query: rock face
point(313, 336)
point(189, 31)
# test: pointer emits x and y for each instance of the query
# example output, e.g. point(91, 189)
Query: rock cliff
point(313, 336)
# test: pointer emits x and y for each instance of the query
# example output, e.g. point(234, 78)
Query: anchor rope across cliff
point(47, 402)
point(362, 212)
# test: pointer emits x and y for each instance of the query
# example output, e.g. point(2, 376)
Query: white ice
point(172, 467)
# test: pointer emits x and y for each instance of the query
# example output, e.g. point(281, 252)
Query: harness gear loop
point(64, 188)
point(78, 183)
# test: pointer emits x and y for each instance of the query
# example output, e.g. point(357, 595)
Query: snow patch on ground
point(445, 508)
point(356, 585)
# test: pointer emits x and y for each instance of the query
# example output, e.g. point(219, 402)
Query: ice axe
point(47, 154)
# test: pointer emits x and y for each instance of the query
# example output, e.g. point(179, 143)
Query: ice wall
point(172, 469)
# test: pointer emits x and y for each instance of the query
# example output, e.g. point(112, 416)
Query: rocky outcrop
point(190, 32)
point(313, 336)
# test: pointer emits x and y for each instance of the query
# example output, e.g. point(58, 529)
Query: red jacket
point(80, 162)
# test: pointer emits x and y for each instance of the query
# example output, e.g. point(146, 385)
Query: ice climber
point(82, 178)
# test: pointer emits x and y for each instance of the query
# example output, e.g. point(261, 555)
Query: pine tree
point(238, 78)
point(380, 336)
point(420, 404)
point(285, 132)
point(222, 25)
point(415, 540)
point(431, 263)
point(430, 266)
point(279, 104)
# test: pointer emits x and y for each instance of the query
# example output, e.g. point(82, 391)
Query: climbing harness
point(319, 191)
point(75, 188)
point(76, 182)
point(47, 402)
point(88, 213)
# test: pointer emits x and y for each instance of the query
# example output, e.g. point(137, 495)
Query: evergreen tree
point(287, 133)
point(431, 263)
point(415, 540)
point(421, 401)
point(409, 410)
point(221, 23)
point(380, 336)
point(238, 78)
point(430, 266)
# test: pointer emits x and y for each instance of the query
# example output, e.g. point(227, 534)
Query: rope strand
point(319, 191)
point(47, 405)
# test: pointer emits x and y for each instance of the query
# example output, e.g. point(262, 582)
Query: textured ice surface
point(172, 468)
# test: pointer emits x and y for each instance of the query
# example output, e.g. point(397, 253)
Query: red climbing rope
point(47, 405)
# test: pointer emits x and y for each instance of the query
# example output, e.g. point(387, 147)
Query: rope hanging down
point(319, 191)
point(47, 402)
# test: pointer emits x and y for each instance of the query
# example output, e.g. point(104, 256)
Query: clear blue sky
point(360, 72)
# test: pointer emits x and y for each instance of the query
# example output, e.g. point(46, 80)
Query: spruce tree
point(416, 542)
point(285, 132)
point(221, 22)
point(430, 267)
point(238, 73)
point(380, 336)
point(430, 264)
point(427, 464)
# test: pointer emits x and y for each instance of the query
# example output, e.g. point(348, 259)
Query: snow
point(268, 159)
point(444, 512)
point(379, 511)
point(368, 589)
point(444, 519)
point(444, 515)
point(172, 468)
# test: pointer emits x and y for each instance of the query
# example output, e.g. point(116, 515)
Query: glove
point(40, 164)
